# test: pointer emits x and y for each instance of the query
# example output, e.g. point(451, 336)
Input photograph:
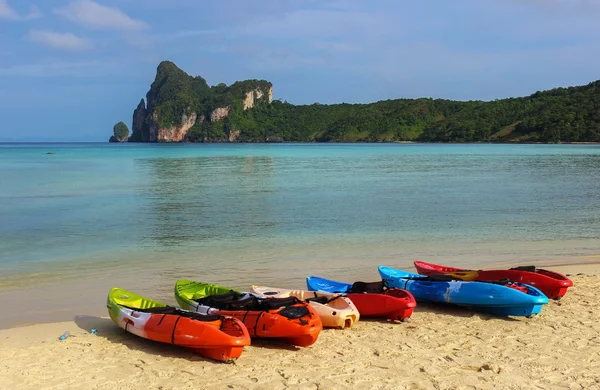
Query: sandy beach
point(152, 157)
point(439, 348)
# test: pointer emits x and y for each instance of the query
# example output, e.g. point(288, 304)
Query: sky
point(71, 69)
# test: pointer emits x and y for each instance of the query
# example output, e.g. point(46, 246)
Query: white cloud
point(49, 68)
point(6, 12)
point(60, 41)
point(96, 16)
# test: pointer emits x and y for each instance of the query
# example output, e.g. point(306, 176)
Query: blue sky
point(70, 69)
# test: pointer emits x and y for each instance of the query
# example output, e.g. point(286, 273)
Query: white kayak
point(335, 310)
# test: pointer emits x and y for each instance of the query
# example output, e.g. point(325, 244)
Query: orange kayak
point(214, 336)
point(284, 318)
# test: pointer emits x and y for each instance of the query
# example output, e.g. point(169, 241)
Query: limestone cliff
point(233, 135)
point(120, 133)
point(177, 133)
point(255, 95)
point(117, 139)
point(219, 113)
point(139, 116)
point(180, 107)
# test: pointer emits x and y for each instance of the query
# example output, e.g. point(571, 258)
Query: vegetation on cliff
point(558, 115)
point(175, 96)
point(120, 133)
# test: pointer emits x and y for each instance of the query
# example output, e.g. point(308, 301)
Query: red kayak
point(371, 299)
point(552, 284)
point(393, 304)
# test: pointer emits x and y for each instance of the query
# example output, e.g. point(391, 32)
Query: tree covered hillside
point(563, 114)
point(558, 115)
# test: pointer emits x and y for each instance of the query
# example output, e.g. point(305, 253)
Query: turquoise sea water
point(143, 215)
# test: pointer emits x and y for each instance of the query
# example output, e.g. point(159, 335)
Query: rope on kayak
point(405, 283)
point(174, 327)
point(257, 320)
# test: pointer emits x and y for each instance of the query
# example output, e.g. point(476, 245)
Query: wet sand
point(79, 286)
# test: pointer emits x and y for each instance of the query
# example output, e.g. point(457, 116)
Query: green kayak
point(287, 318)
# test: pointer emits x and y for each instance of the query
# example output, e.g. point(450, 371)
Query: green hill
point(180, 107)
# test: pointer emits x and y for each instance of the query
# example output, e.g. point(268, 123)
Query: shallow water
point(91, 216)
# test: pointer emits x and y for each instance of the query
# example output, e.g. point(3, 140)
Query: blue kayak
point(494, 298)
point(315, 283)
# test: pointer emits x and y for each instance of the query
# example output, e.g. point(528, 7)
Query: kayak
point(371, 299)
point(500, 298)
point(552, 284)
point(286, 318)
point(335, 310)
point(214, 336)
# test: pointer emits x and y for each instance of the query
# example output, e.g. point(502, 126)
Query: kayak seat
point(321, 300)
point(367, 287)
point(439, 278)
point(433, 278)
point(178, 312)
point(276, 303)
point(292, 312)
point(218, 300)
point(528, 268)
point(249, 303)
point(234, 301)
point(228, 301)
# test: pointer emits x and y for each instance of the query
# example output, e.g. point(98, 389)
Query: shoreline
point(302, 142)
point(591, 268)
point(57, 304)
point(440, 347)
point(361, 142)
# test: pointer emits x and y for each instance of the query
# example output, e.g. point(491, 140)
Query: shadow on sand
point(274, 344)
point(110, 331)
point(113, 333)
point(442, 309)
point(458, 311)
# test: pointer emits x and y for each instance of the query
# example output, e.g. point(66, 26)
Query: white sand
point(439, 348)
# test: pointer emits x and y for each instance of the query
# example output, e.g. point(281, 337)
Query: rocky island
point(182, 108)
